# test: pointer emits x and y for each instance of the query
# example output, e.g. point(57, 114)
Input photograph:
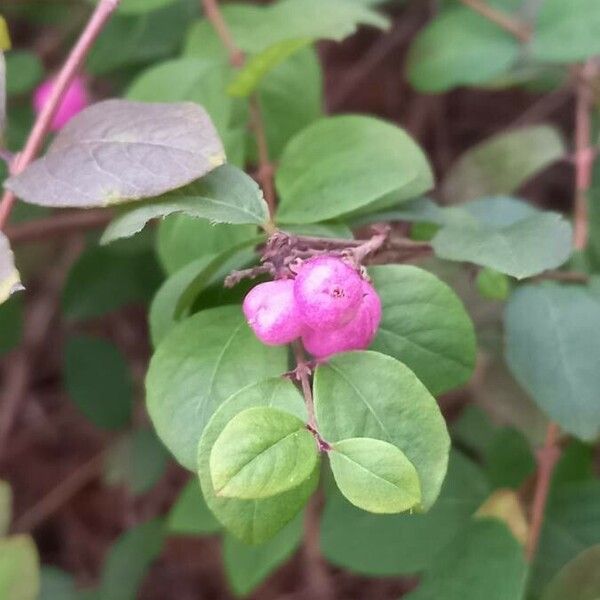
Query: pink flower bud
point(75, 100)
point(328, 292)
point(355, 335)
point(271, 311)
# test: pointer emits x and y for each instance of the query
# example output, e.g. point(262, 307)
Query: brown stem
point(584, 155)
point(213, 14)
point(99, 18)
point(58, 225)
point(61, 494)
point(265, 168)
point(548, 456)
point(302, 372)
point(237, 58)
point(520, 30)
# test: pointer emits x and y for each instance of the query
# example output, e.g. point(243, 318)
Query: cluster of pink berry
point(329, 305)
point(76, 98)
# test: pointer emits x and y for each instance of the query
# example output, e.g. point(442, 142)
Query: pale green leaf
point(552, 334)
point(425, 326)
point(375, 475)
point(260, 453)
point(579, 579)
point(200, 363)
point(129, 559)
point(567, 32)
point(227, 195)
point(502, 163)
point(403, 544)
point(506, 235)
point(483, 561)
point(5, 507)
point(248, 566)
point(254, 521)
point(459, 47)
point(19, 568)
point(190, 515)
point(341, 164)
point(492, 284)
point(367, 394)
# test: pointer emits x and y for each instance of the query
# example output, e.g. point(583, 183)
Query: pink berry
point(75, 100)
point(328, 292)
point(355, 335)
point(271, 311)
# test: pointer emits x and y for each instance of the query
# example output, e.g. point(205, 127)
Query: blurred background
point(76, 446)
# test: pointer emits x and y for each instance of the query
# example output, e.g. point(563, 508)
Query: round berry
point(328, 292)
point(355, 335)
point(75, 100)
point(271, 311)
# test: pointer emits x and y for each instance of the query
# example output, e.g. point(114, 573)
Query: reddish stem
point(99, 18)
point(520, 30)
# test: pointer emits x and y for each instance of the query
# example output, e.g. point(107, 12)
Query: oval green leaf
point(425, 326)
point(254, 521)
point(375, 475)
point(367, 394)
point(200, 363)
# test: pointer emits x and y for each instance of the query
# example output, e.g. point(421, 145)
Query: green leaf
point(255, 69)
point(492, 284)
point(137, 461)
point(254, 521)
point(552, 334)
point(11, 324)
point(579, 579)
point(109, 153)
point(192, 79)
point(57, 585)
point(182, 239)
point(137, 7)
point(425, 326)
point(190, 515)
point(341, 164)
point(129, 559)
point(389, 404)
point(19, 568)
point(571, 524)
point(483, 561)
point(2, 102)
point(200, 363)
point(375, 475)
point(506, 235)
point(23, 71)
point(260, 453)
point(566, 33)
point(291, 98)
point(404, 544)
point(248, 566)
point(501, 164)
point(4, 35)
point(508, 458)
point(135, 39)
point(5, 507)
point(227, 195)
point(98, 381)
point(459, 47)
point(103, 280)
point(10, 281)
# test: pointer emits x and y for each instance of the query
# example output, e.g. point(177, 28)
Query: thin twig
point(58, 225)
point(520, 30)
point(302, 372)
point(213, 14)
point(61, 494)
point(548, 456)
point(237, 59)
point(584, 155)
point(99, 18)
